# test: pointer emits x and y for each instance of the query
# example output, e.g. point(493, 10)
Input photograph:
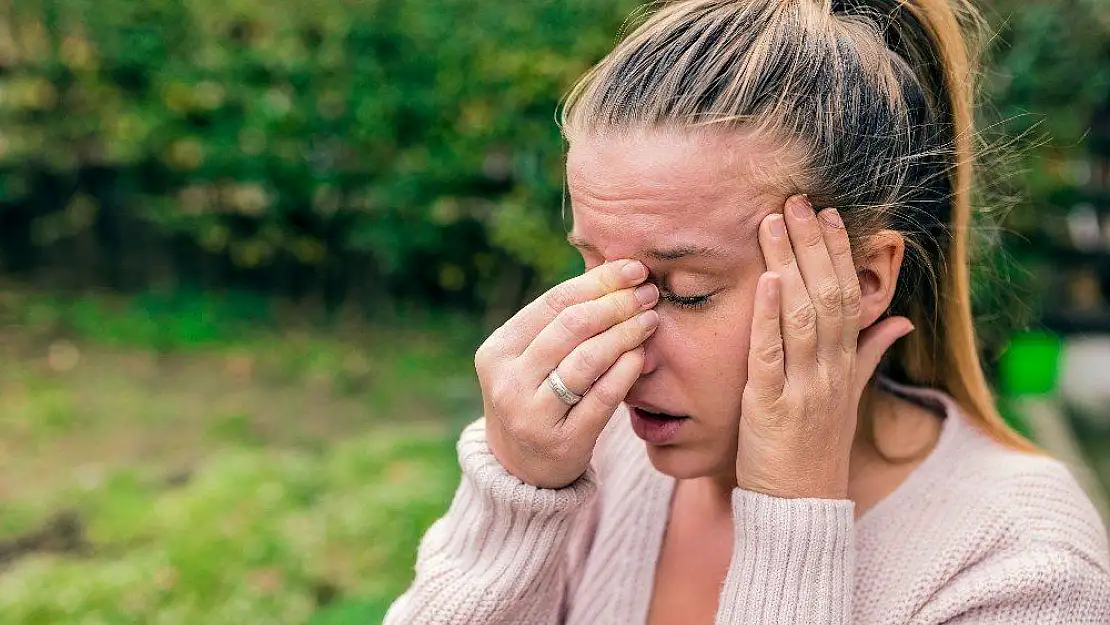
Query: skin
point(667, 191)
point(769, 369)
point(781, 419)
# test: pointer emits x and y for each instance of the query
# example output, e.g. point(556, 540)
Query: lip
point(650, 407)
point(654, 431)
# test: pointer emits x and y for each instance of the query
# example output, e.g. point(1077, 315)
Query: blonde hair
point(879, 96)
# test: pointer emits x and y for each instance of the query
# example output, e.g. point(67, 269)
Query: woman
point(772, 198)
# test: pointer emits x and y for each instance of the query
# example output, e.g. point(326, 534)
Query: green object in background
point(1030, 365)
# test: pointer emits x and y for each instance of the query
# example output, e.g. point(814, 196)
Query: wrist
point(827, 482)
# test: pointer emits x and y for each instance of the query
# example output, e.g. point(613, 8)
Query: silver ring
point(561, 391)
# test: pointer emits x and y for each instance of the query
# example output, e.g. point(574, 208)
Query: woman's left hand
point(808, 363)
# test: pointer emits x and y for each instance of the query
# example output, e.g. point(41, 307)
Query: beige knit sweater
point(976, 534)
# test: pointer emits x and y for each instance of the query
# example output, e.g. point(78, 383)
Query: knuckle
point(802, 318)
point(635, 357)
point(617, 306)
point(559, 298)
point(812, 238)
point(626, 305)
point(613, 276)
point(840, 252)
point(575, 320)
point(527, 438)
point(632, 333)
point(786, 256)
point(484, 356)
point(606, 395)
point(770, 355)
point(610, 280)
point(829, 296)
point(851, 299)
point(587, 359)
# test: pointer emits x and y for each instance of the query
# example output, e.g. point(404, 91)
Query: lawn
point(197, 459)
point(169, 459)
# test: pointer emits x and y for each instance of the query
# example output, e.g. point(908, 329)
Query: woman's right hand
point(591, 328)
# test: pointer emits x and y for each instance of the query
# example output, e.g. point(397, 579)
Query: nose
point(651, 353)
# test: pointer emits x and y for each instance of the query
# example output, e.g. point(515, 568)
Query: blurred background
point(248, 247)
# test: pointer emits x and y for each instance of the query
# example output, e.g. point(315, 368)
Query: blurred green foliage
point(411, 142)
point(255, 536)
point(1048, 70)
point(254, 473)
point(417, 136)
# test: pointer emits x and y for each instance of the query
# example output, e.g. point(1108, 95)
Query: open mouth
point(662, 416)
point(656, 428)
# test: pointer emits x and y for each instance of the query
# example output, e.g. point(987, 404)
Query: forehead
point(655, 189)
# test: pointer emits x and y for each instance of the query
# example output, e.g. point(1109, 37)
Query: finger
point(840, 251)
point(570, 328)
point(817, 272)
point(874, 342)
point(592, 358)
point(589, 416)
point(766, 360)
point(798, 316)
point(518, 332)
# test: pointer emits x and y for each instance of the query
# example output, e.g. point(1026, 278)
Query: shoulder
point(980, 488)
point(1036, 500)
point(1004, 521)
point(990, 531)
point(1031, 498)
point(1024, 542)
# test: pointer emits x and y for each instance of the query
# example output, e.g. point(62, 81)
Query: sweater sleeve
point(499, 553)
point(792, 561)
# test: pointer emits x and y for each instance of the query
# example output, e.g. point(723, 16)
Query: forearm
point(792, 562)
point(498, 555)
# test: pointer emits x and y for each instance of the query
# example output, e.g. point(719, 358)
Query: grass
point(165, 460)
point(186, 458)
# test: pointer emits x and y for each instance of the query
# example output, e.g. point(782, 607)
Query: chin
point(682, 462)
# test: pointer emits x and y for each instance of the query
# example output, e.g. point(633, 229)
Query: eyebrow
point(671, 253)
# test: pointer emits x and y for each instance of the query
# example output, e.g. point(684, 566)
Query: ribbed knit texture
point(976, 534)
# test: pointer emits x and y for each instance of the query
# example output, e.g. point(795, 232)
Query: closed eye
point(689, 302)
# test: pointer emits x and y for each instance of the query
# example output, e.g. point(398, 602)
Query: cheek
point(708, 350)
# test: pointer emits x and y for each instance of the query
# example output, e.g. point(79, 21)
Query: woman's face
point(688, 206)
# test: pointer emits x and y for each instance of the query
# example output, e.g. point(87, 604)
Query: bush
point(390, 146)
point(413, 137)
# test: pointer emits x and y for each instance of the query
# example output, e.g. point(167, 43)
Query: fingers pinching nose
point(647, 295)
point(634, 271)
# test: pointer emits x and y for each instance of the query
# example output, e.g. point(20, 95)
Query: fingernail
point(648, 319)
point(801, 207)
point(777, 226)
point(831, 218)
point(647, 295)
point(634, 270)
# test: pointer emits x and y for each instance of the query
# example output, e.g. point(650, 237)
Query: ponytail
point(878, 94)
point(939, 41)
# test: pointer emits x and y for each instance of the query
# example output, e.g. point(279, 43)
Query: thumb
point(875, 341)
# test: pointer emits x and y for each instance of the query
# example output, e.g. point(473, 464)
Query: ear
point(878, 274)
